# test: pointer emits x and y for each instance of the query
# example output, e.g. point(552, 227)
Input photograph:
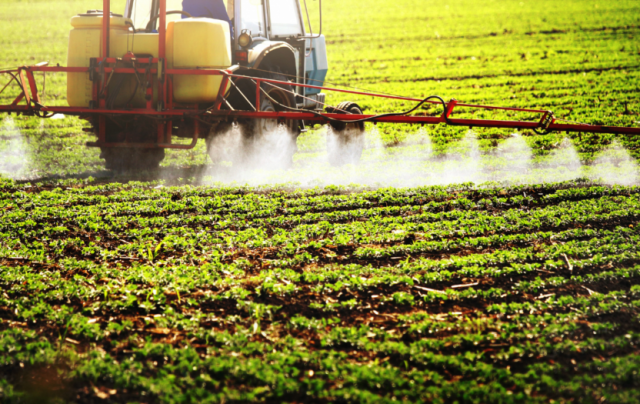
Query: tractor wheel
point(131, 159)
point(345, 141)
point(258, 143)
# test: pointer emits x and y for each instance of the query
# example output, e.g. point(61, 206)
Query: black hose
point(129, 23)
point(543, 132)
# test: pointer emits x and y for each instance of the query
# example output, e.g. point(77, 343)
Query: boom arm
point(546, 123)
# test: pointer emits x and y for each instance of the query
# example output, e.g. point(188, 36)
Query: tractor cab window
point(252, 14)
point(285, 18)
point(140, 11)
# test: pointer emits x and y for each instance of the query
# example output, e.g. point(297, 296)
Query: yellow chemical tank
point(84, 44)
point(201, 43)
point(191, 43)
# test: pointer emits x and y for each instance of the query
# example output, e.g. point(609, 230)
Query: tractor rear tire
point(258, 143)
point(345, 141)
point(131, 159)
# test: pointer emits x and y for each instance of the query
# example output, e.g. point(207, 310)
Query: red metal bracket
point(25, 91)
point(220, 98)
point(106, 22)
point(450, 106)
point(18, 99)
point(34, 87)
point(546, 120)
point(258, 86)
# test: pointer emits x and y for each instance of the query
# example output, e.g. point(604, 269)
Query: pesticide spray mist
point(266, 159)
point(562, 164)
point(614, 166)
point(412, 163)
point(254, 159)
point(13, 151)
point(511, 161)
point(406, 164)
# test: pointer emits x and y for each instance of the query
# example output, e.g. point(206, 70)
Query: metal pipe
point(106, 22)
point(162, 29)
point(309, 21)
point(106, 26)
point(162, 62)
point(258, 95)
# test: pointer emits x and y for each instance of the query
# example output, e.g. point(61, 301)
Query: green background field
point(579, 59)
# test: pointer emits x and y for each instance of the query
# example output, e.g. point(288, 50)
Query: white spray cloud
point(407, 164)
point(567, 155)
point(614, 165)
point(562, 164)
point(241, 158)
point(412, 163)
point(510, 161)
point(461, 163)
point(13, 151)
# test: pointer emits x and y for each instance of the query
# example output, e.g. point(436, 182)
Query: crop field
point(140, 292)
point(450, 265)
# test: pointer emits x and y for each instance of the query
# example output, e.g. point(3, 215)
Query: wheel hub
point(267, 125)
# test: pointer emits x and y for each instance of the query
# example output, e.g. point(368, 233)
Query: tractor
point(253, 38)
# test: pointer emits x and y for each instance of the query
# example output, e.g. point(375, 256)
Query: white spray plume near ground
point(460, 164)
point(13, 151)
point(615, 166)
point(510, 161)
point(240, 160)
point(409, 164)
point(402, 164)
point(415, 163)
point(562, 164)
